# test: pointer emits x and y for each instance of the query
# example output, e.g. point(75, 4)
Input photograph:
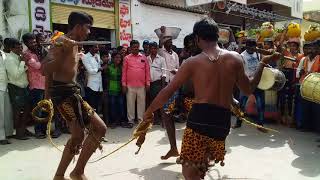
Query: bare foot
point(171, 153)
point(60, 178)
point(74, 176)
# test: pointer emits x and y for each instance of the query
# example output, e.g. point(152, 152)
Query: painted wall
point(14, 18)
point(146, 18)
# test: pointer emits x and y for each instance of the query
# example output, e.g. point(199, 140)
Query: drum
point(272, 79)
point(310, 88)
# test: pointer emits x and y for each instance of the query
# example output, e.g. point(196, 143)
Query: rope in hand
point(240, 114)
point(139, 133)
point(46, 106)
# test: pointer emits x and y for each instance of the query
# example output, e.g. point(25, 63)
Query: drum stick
point(266, 52)
point(81, 43)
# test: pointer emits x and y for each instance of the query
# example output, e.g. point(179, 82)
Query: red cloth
point(35, 77)
point(135, 71)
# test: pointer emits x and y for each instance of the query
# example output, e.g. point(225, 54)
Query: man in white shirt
point(172, 63)
point(251, 63)
point(6, 120)
point(18, 87)
point(157, 72)
point(92, 64)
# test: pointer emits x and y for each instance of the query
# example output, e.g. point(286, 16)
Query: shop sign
point(40, 17)
point(95, 4)
point(125, 23)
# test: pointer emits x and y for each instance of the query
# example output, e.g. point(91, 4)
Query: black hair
point(153, 44)
point(133, 42)
point(80, 18)
point(27, 37)
point(206, 29)
point(119, 48)
point(188, 39)
point(114, 53)
point(104, 53)
point(251, 42)
point(6, 42)
point(14, 42)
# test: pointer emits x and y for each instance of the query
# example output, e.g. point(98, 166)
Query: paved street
point(251, 155)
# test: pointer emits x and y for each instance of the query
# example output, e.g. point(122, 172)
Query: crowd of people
point(120, 83)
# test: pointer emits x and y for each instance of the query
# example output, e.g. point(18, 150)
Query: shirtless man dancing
point(214, 72)
point(60, 69)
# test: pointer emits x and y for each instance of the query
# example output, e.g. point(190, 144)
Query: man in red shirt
point(135, 81)
point(35, 78)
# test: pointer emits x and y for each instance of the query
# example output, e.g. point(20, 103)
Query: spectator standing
point(172, 63)
point(35, 78)
point(105, 62)
point(6, 120)
point(92, 64)
point(157, 73)
point(116, 99)
point(18, 88)
point(146, 49)
point(135, 81)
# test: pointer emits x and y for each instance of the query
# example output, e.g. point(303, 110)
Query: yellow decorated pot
point(294, 30)
point(266, 30)
point(313, 33)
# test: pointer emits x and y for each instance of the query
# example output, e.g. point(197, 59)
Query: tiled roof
point(171, 6)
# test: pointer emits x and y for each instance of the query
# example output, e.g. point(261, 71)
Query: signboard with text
point(40, 17)
point(94, 4)
point(125, 23)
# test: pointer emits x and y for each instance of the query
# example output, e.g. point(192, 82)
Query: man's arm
point(180, 78)
point(13, 70)
point(124, 75)
point(300, 68)
point(32, 62)
point(246, 85)
point(88, 65)
point(147, 73)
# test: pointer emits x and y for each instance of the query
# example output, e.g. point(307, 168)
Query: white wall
point(146, 18)
point(17, 20)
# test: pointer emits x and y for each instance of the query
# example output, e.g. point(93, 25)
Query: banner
point(94, 4)
point(40, 17)
point(125, 23)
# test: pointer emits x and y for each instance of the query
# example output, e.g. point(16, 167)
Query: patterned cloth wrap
point(204, 138)
point(70, 104)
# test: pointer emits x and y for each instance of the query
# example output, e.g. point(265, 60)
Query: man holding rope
point(60, 69)
point(214, 72)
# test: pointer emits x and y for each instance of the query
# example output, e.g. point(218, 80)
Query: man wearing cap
point(146, 49)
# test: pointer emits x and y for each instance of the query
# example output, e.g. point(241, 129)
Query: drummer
point(309, 64)
point(288, 68)
point(251, 62)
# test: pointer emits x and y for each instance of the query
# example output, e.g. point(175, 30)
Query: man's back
point(214, 81)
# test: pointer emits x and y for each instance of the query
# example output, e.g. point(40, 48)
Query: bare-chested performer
point(60, 69)
point(213, 73)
